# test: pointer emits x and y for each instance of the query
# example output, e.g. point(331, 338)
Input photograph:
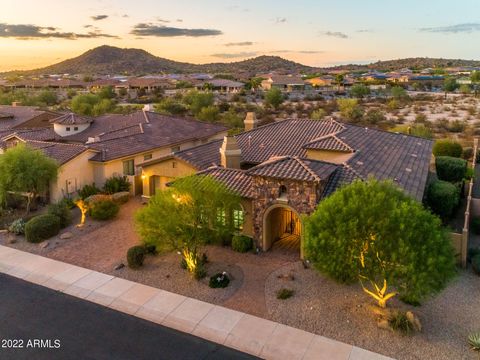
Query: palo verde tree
point(274, 97)
point(27, 171)
point(193, 212)
point(373, 232)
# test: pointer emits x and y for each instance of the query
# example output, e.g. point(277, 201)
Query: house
point(284, 169)
point(16, 116)
point(222, 85)
point(90, 150)
point(286, 83)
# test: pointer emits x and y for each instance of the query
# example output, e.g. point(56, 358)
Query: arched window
point(238, 216)
point(282, 192)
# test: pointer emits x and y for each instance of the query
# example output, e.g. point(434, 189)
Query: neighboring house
point(286, 83)
point(17, 116)
point(112, 145)
point(284, 169)
point(222, 85)
point(321, 81)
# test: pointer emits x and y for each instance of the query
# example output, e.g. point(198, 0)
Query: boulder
point(119, 266)
point(11, 239)
point(97, 197)
point(383, 324)
point(44, 244)
point(66, 235)
point(121, 197)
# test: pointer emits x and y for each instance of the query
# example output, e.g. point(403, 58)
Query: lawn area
point(318, 304)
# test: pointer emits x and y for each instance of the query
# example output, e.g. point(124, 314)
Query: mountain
point(113, 60)
point(411, 63)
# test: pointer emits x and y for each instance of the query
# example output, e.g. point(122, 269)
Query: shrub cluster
point(443, 197)
point(219, 280)
point(116, 184)
point(104, 210)
point(17, 227)
point(242, 243)
point(61, 211)
point(447, 147)
point(450, 168)
point(42, 227)
point(136, 256)
point(284, 293)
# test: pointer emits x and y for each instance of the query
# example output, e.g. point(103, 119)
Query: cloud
point(98, 17)
point(280, 20)
point(235, 55)
point(31, 32)
point(179, 20)
point(453, 29)
point(87, 26)
point(144, 29)
point(241, 43)
point(336, 34)
point(162, 20)
point(364, 31)
point(297, 51)
point(125, 16)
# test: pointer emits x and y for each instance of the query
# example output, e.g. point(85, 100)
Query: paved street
point(88, 331)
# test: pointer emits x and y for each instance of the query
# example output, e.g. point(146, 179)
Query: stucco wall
point(72, 176)
point(166, 171)
point(335, 157)
point(61, 129)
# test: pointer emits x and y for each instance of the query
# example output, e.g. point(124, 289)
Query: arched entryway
point(282, 229)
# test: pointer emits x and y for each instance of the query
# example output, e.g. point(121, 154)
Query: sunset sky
point(35, 33)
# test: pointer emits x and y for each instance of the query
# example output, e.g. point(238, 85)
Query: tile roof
point(13, 116)
point(154, 132)
point(342, 176)
point(294, 168)
point(234, 179)
point(60, 152)
point(71, 119)
point(385, 155)
point(329, 142)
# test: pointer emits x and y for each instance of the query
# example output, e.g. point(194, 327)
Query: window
point(129, 167)
point(282, 191)
point(68, 128)
point(175, 149)
point(238, 218)
point(174, 164)
point(221, 217)
point(147, 156)
point(75, 128)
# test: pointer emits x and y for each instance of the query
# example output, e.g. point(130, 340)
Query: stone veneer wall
point(301, 196)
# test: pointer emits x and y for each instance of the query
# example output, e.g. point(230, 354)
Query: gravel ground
point(344, 313)
point(319, 305)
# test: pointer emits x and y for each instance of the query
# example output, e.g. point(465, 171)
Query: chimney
point(230, 153)
point(250, 121)
point(16, 103)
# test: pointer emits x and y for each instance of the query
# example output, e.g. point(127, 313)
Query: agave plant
point(474, 340)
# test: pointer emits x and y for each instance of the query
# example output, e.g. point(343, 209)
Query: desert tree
point(193, 211)
point(373, 232)
point(27, 171)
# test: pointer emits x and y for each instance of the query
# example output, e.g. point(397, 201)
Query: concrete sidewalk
point(234, 329)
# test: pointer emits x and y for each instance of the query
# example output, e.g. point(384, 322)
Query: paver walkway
point(231, 328)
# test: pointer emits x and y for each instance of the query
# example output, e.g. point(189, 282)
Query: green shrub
point(136, 256)
point(116, 184)
point(467, 153)
point(399, 321)
point(442, 197)
point(42, 227)
point(472, 252)
point(476, 263)
point(68, 202)
point(61, 211)
point(475, 225)
point(200, 272)
point(284, 293)
point(17, 227)
point(88, 190)
point(447, 147)
point(219, 280)
point(104, 210)
point(450, 169)
point(242, 243)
